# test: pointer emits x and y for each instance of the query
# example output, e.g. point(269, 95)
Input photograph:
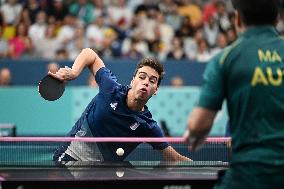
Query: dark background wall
point(29, 72)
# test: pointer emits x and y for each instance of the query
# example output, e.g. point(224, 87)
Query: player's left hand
point(194, 142)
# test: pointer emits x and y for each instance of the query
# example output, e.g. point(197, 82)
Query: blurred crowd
point(167, 29)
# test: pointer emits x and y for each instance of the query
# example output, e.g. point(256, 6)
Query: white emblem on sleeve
point(134, 126)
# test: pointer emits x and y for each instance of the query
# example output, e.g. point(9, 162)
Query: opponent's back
point(254, 88)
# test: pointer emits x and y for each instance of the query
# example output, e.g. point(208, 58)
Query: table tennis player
point(116, 111)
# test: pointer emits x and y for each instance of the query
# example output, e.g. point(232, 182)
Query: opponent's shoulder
point(280, 40)
point(229, 51)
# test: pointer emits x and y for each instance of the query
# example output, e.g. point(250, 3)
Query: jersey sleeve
point(212, 91)
point(106, 80)
point(157, 132)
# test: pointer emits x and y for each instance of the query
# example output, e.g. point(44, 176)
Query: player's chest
point(117, 114)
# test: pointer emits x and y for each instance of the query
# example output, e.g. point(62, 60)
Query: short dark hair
point(153, 63)
point(258, 12)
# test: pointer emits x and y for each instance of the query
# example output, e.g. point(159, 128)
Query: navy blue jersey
point(107, 115)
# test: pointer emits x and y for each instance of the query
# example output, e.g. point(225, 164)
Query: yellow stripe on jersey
point(228, 50)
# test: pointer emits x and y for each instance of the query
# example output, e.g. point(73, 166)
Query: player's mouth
point(144, 90)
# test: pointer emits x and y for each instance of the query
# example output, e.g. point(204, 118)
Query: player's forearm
point(199, 125)
point(200, 122)
point(87, 58)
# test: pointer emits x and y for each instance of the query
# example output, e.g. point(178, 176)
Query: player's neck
point(133, 103)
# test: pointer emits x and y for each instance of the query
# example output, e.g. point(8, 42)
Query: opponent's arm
point(199, 124)
point(87, 58)
point(171, 155)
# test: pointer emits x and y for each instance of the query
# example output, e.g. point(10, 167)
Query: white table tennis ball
point(119, 151)
point(119, 173)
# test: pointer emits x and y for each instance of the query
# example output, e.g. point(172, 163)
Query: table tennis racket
point(51, 88)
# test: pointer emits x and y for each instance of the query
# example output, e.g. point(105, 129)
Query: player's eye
point(142, 76)
point(153, 80)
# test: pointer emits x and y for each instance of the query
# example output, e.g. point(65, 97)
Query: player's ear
point(131, 83)
point(155, 93)
point(238, 21)
point(277, 20)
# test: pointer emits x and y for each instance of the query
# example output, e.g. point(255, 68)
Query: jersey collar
point(259, 30)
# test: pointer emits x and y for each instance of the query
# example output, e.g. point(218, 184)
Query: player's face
point(145, 83)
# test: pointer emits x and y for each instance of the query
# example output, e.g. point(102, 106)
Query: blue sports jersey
point(107, 115)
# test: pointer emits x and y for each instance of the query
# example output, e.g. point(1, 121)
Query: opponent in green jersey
point(249, 76)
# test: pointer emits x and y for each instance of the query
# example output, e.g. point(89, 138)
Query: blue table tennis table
point(29, 166)
point(183, 175)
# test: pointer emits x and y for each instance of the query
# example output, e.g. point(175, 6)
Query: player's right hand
point(64, 74)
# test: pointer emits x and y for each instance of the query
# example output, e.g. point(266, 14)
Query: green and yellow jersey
point(249, 76)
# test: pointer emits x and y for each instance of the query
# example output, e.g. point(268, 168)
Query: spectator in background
point(95, 33)
point(191, 10)
point(163, 20)
point(165, 31)
point(57, 11)
point(4, 46)
point(135, 44)
point(211, 31)
point(231, 35)
point(61, 54)
point(120, 15)
point(11, 11)
point(132, 51)
point(210, 8)
point(133, 4)
point(43, 45)
point(186, 29)
point(222, 42)
point(177, 51)
point(222, 16)
point(144, 7)
point(109, 43)
point(148, 21)
point(103, 38)
point(21, 44)
point(78, 42)
point(156, 49)
point(232, 17)
point(2, 23)
point(83, 10)
point(170, 10)
point(67, 31)
point(203, 53)
point(52, 67)
point(5, 77)
point(30, 12)
point(38, 29)
point(177, 81)
point(100, 9)
point(191, 44)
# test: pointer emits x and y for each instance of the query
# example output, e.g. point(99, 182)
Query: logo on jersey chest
point(134, 126)
point(113, 105)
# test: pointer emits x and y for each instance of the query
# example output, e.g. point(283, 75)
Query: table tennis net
point(39, 151)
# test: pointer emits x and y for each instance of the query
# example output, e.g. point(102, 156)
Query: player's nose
point(146, 82)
